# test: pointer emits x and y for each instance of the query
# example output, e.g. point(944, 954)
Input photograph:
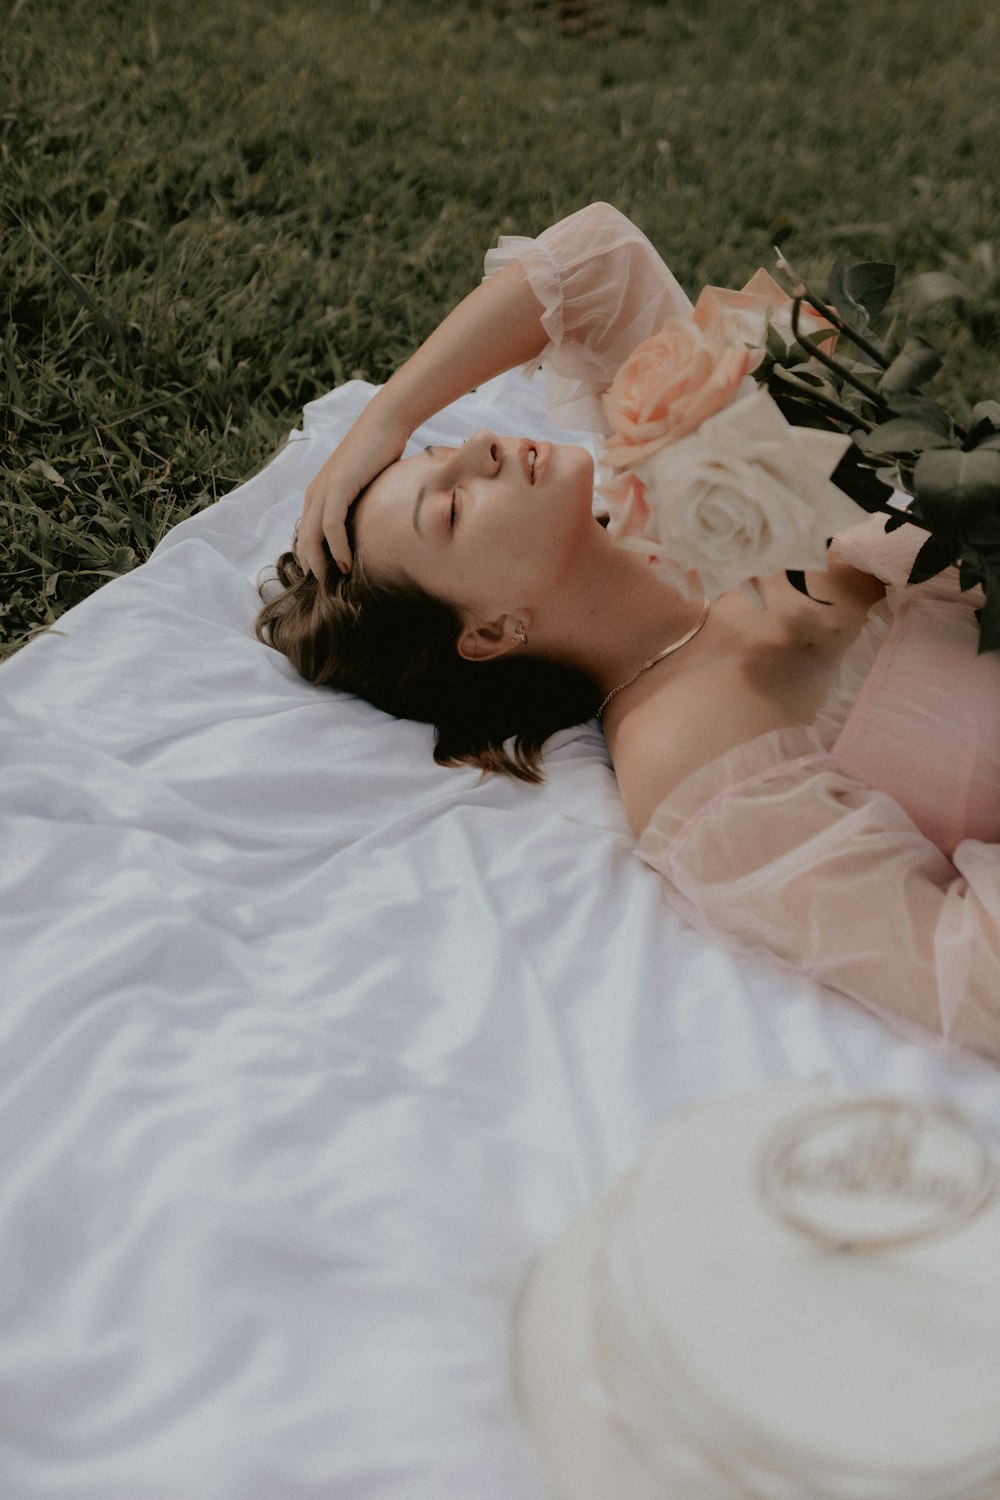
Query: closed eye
point(453, 511)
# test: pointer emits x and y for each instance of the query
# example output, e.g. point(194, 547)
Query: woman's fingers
point(322, 525)
point(312, 542)
point(336, 539)
point(369, 446)
point(308, 545)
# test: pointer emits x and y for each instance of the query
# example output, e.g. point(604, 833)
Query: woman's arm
point(834, 879)
point(582, 295)
point(497, 326)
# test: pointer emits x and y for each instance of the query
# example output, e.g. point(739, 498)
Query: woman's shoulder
point(698, 727)
point(751, 675)
point(675, 778)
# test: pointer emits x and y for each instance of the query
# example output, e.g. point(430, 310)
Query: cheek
point(586, 464)
point(578, 467)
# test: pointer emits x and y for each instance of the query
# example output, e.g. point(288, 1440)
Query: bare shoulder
point(750, 671)
point(658, 742)
point(672, 729)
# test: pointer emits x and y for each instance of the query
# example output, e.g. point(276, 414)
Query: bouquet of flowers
point(743, 437)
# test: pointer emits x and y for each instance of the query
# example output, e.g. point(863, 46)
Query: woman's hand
point(374, 441)
point(496, 327)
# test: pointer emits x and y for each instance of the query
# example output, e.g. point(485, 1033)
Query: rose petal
point(762, 301)
point(745, 496)
point(669, 385)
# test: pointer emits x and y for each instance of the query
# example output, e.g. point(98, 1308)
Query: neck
point(615, 615)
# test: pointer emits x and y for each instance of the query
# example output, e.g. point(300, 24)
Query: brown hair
point(396, 645)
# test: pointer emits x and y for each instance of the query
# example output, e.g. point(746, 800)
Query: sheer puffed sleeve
point(778, 851)
point(604, 289)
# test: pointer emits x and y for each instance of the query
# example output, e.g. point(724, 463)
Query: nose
point(483, 451)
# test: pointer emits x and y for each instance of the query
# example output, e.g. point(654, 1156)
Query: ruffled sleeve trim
point(772, 848)
point(572, 374)
point(780, 753)
point(855, 669)
point(543, 278)
point(603, 289)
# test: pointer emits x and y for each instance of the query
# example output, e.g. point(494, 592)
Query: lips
point(534, 457)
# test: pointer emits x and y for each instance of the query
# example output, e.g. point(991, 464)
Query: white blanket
point(309, 1045)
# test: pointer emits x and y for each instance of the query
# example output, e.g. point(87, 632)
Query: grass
point(211, 212)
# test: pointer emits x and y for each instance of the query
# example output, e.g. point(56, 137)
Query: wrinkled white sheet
point(308, 1046)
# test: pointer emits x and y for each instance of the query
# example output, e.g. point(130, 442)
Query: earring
point(519, 634)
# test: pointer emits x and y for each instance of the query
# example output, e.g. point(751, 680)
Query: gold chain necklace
point(668, 651)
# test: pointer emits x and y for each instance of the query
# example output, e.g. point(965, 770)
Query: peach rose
point(630, 510)
point(744, 497)
point(761, 301)
point(668, 386)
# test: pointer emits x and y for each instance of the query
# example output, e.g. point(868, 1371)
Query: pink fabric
point(925, 724)
point(604, 289)
point(863, 849)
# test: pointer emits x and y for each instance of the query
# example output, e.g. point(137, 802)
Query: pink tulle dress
point(864, 848)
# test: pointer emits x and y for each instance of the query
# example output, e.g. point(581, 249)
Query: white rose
point(745, 496)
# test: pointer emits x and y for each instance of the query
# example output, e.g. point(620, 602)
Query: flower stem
point(847, 329)
point(826, 402)
point(860, 385)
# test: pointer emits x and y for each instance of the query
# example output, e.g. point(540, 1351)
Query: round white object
point(794, 1296)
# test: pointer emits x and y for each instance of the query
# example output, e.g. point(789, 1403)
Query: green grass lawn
point(211, 212)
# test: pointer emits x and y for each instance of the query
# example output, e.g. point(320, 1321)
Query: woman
point(821, 783)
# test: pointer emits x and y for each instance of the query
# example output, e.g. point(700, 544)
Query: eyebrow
point(422, 494)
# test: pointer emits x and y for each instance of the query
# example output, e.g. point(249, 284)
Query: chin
point(576, 470)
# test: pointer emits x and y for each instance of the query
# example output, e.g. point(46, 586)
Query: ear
point(485, 640)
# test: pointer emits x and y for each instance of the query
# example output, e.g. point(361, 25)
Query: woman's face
point(491, 526)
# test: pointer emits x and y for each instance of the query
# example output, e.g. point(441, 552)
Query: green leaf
point(893, 340)
point(987, 411)
point(776, 345)
point(989, 615)
point(800, 410)
point(915, 363)
point(860, 291)
point(970, 571)
point(859, 482)
point(953, 489)
point(808, 374)
point(902, 435)
point(46, 470)
point(932, 291)
point(982, 435)
point(984, 530)
point(797, 579)
point(929, 413)
point(934, 556)
point(985, 429)
point(860, 367)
